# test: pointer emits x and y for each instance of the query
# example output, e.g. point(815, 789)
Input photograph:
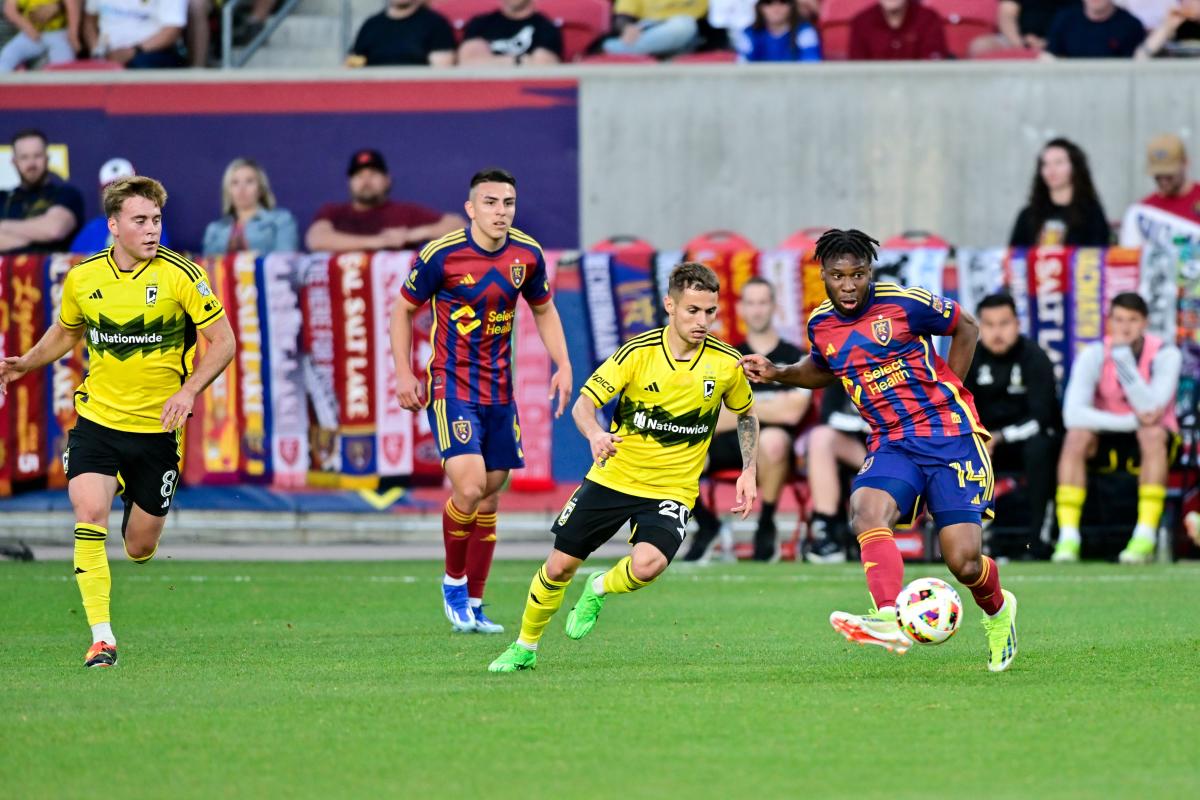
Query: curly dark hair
point(1083, 192)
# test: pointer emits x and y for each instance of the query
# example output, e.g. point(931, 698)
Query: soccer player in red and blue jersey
point(474, 277)
point(926, 440)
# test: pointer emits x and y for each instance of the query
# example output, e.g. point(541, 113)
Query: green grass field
point(335, 680)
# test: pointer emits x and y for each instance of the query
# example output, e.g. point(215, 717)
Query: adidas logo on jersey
point(95, 295)
point(830, 350)
point(468, 280)
point(653, 387)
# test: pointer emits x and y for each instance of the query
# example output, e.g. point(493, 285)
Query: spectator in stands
point(1150, 13)
point(405, 33)
point(1180, 24)
point(250, 220)
point(138, 34)
point(371, 221)
point(1021, 24)
point(516, 34)
point(898, 30)
point(1012, 380)
point(1120, 399)
point(1167, 164)
point(838, 442)
point(245, 27)
point(95, 236)
point(658, 28)
point(43, 213)
point(780, 409)
point(778, 33)
point(1063, 205)
point(1093, 29)
point(44, 28)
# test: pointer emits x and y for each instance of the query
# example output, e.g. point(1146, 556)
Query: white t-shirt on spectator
point(125, 23)
point(1150, 13)
point(732, 15)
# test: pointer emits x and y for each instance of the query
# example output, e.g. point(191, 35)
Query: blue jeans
point(660, 37)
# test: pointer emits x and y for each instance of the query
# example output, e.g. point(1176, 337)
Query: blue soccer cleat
point(483, 624)
point(458, 608)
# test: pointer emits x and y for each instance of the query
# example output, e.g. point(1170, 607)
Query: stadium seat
point(914, 239)
point(789, 547)
point(618, 58)
point(966, 20)
point(719, 241)
point(86, 64)
point(835, 26)
point(581, 22)
point(1011, 54)
point(803, 240)
point(709, 57)
point(459, 12)
point(622, 244)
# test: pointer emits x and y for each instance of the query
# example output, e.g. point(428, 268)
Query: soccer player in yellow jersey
point(141, 306)
point(670, 383)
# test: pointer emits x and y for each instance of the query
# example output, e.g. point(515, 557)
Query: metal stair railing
point(232, 60)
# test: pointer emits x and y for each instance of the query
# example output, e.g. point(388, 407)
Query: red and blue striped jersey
point(474, 296)
point(886, 361)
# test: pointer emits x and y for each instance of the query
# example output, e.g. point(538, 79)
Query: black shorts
point(1119, 452)
point(594, 513)
point(146, 465)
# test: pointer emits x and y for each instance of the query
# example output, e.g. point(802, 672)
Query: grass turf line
point(319, 680)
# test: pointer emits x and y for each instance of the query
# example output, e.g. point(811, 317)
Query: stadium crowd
point(150, 34)
point(1118, 406)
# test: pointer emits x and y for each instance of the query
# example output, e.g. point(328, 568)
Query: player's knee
point(774, 446)
point(467, 498)
point(647, 564)
point(966, 569)
point(1076, 443)
point(140, 553)
point(1152, 438)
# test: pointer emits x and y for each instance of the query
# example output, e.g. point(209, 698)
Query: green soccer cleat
point(1002, 634)
point(875, 628)
point(1066, 553)
point(582, 618)
point(514, 659)
point(1138, 551)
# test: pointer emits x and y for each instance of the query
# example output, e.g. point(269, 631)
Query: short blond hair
point(120, 190)
point(266, 198)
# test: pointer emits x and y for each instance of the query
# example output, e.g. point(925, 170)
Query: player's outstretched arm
point(550, 329)
point(400, 329)
point(747, 482)
point(216, 358)
point(805, 373)
point(962, 344)
point(603, 444)
point(55, 343)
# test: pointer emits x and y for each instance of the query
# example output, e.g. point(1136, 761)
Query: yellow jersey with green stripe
point(140, 330)
point(666, 413)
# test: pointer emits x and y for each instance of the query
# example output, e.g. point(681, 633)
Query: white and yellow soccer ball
point(928, 610)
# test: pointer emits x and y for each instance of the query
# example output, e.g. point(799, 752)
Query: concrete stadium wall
point(670, 152)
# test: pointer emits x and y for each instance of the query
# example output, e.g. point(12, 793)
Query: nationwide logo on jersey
point(462, 430)
point(881, 329)
point(692, 428)
point(516, 271)
point(709, 386)
point(151, 295)
point(106, 337)
point(466, 327)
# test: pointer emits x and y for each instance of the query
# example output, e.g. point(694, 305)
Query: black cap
point(367, 159)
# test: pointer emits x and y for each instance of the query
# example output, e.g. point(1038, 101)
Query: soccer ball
point(928, 610)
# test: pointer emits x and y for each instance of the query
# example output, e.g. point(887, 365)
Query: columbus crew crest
point(516, 271)
point(881, 329)
point(709, 386)
point(462, 430)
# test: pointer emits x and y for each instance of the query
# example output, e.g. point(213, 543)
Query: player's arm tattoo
point(747, 432)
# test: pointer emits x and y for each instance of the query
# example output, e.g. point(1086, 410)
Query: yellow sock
point(620, 580)
point(91, 571)
point(1151, 497)
point(545, 597)
point(1068, 502)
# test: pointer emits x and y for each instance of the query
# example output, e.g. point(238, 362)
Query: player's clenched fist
point(604, 446)
point(407, 392)
point(11, 369)
point(757, 368)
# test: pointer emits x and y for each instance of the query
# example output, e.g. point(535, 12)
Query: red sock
point(456, 534)
point(986, 590)
point(479, 554)
point(883, 564)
